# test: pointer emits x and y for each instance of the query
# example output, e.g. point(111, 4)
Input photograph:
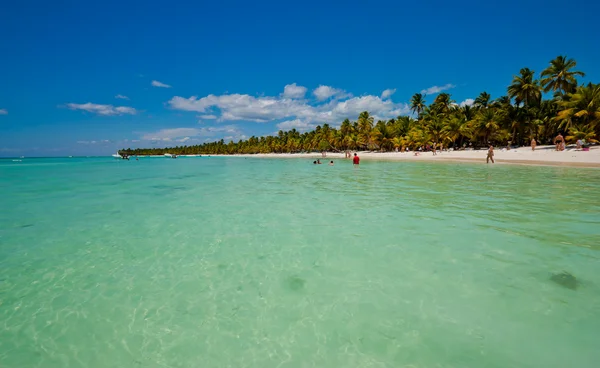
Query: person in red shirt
point(356, 160)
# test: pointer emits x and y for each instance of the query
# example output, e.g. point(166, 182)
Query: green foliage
point(573, 109)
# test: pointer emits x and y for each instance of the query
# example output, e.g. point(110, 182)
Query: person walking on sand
point(356, 160)
point(533, 144)
point(559, 141)
point(434, 147)
point(490, 155)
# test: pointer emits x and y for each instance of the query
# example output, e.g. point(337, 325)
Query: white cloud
point(299, 125)
point(105, 110)
point(169, 134)
point(324, 92)
point(3, 112)
point(437, 89)
point(125, 110)
point(467, 102)
point(236, 107)
point(103, 141)
point(191, 134)
point(387, 93)
point(294, 91)
point(240, 107)
point(208, 117)
point(156, 83)
point(121, 97)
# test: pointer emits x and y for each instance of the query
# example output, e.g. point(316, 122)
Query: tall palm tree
point(559, 76)
point(525, 89)
point(417, 103)
point(443, 102)
point(346, 127)
point(365, 122)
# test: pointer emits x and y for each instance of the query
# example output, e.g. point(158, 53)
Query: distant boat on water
point(170, 155)
point(123, 157)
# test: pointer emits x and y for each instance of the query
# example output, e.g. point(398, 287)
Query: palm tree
point(582, 107)
point(525, 89)
point(583, 132)
point(346, 127)
point(487, 125)
point(559, 76)
point(483, 100)
point(454, 126)
point(365, 122)
point(383, 135)
point(417, 104)
point(435, 126)
point(443, 102)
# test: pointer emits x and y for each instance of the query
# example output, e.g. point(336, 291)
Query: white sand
point(543, 155)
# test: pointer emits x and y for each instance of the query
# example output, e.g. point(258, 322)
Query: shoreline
point(543, 156)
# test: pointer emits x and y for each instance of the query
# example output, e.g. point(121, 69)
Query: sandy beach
point(543, 155)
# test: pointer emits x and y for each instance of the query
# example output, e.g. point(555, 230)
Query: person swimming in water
point(356, 160)
point(330, 163)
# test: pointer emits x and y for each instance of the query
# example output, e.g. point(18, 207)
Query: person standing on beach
point(490, 155)
point(533, 144)
point(356, 160)
point(559, 141)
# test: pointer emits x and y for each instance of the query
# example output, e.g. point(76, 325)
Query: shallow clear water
point(233, 262)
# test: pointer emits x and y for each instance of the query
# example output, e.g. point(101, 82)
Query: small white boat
point(116, 155)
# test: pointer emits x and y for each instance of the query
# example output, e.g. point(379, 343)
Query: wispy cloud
point(156, 83)
point(103, 141)
point(387, 93)
point(105, 110)
point(121, 97)
point(3, 112)
point(437, 89)
point(279, 109)
point(208, 117)
point(294, 91)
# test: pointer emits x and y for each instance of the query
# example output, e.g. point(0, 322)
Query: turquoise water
point(233, 262)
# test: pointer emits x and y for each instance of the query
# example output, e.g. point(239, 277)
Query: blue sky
point(190, 72)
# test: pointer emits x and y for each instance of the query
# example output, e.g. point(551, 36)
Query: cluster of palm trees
point(523, 114)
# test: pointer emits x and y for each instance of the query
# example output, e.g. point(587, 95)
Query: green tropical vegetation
point(517, 117)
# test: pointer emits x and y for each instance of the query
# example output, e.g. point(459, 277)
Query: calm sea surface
point(233, 262)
